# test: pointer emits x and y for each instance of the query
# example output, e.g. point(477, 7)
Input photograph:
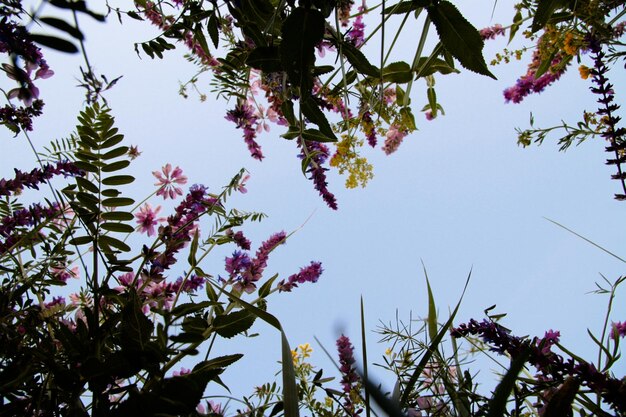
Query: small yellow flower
point(328, 402)
point(388, 352)
point(294, 356)
point(584, 72)
point(305, 350)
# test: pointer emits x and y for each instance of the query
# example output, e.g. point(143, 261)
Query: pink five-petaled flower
point(147, 218)
point(167, 180)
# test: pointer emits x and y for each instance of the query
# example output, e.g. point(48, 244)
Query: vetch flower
point(167, 180)
point(147, 219)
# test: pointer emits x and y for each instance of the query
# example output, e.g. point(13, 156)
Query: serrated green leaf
point(118, 180)
point(544, 12)
point(213, 29)
point(118, 227)
point(117, 202)
point(405, 7)
point(315, 135)
point(114, 153)
point(397, 72)
point(186, 309)
point(115, 166)
point(117, 216)
point(311, 110)
point(114, 243)
point(219, 362)
point(356, 58)
point(265, 58)
point(232, 324)
point(459, 37)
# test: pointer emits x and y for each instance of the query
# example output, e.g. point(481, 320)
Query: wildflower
point(243, 117)
point(237, 263)
point(17, 118)
point(492, 32)
point(242, 185)
point(356, 35)
point(584, 71)
point(309, 273)
point(318, 173)
point(394, 138)
point(619, 330)
point(350, 378)
point(61, 273)
point(37, 176)
point(343, 9)
point(167, 180)
point(305, 350)
point(147, 218)
point(239, 239)
point(133, 152)
point(183, 371)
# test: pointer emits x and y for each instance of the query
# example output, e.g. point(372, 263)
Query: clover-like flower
point(168, 179)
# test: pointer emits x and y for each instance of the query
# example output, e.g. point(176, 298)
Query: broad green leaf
point(219, 362)
point(459, 37)
point(544, 12)
point(356, 58)
point(117, 201)
point(232, 324)
point(311, 111)
point(301, 32)
point(118, 180)
point(115, 166)
point(397, 72)
point(265, 58)
point(117, 216)
point(81, 240)
point(315, 135)
point(186, 309)
point(53, 42)
point(110, 192)
point(404, 7)
point(267, 287)
point(428, 66)
point(291, 133)
point(213, 29)
point(118, 227)
point(287, 109)
point(62, 25)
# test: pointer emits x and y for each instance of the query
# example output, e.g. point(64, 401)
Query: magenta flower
point(147, 219)
point(619, 330)
point(394, 138)
point(243, 117)
point(356, 35)
point(309, 273)
point(492, 32)
point(350, 378)
point(167, 181)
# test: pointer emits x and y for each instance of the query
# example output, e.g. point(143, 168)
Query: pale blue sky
point(459, 195)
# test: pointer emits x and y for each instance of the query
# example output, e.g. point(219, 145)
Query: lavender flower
point(28, 217)
point(492, 32)
point(254, 270)
point(239, 239)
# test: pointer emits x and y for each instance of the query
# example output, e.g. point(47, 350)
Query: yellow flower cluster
point(347, 160)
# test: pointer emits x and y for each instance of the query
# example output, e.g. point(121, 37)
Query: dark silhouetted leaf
point(118, 180)
point(311, 110)
point(117, 216)
point(55, 43)
point(118, 227)
point(265, 58)
point(232, 324)
point(397, 72)
point(117, 202)
point(315, 135)
point(404, 7)
point(459, 37)
point(545, 10)
point(114, 243)
point(64, 26)
point(115, 166)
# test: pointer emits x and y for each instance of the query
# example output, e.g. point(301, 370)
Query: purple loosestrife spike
point(619, 330)
point(239, 239)
point(552, 367)
point(309, 273)
point(31, 216)
point(318, 173)
point(350, 378)
point(243, 117)
point(37, 176)
point(254, 271)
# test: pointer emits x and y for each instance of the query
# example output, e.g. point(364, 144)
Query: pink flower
point(242, 185)
point(147, 218)
point(62, 273)
point(394, 139)
point(168, 179)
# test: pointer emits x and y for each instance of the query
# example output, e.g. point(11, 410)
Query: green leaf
point(432, 309)
point(287, 109)
point(544, 12)
point(459, 37)
point(356, 58)
point(110, 192)
point(87, 185)
point(118, 227)
point(115, 166)
point(432, 100)
point(517, 21)
point(55, 43)
point(404, 7)
point(311, 110)
point(397, 72)
point(81, 240)
point(265, 58)
point(232, 324)
point(114, 153)
point(64, 26)
point(117, 216)
point(497, 404)
point(186, 309)
point(118, 180)
point(302, 30)
point(112, 141)
point(428, 66)
point(117, 201)
point(114, 243)
point(86, 166)
point(218, 363)
point(315, 135)
point(213, 29)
